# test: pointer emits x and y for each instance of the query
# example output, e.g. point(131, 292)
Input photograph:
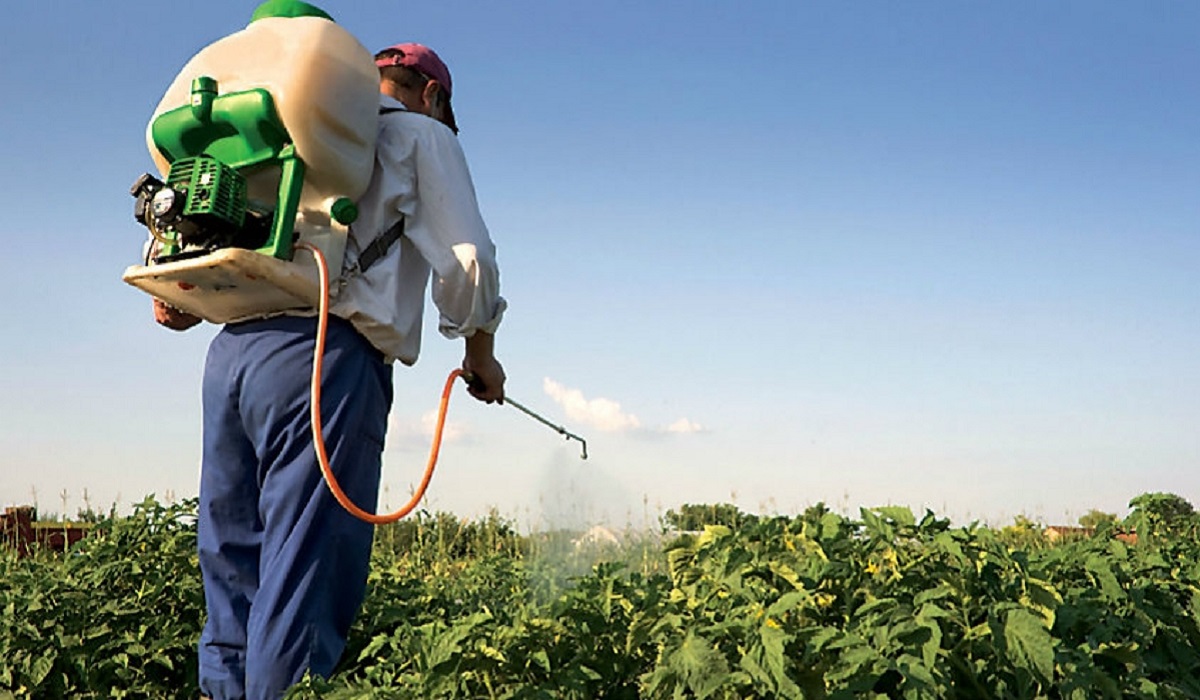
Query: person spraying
point(284, 567)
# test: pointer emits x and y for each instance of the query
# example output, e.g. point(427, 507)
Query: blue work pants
point(284, 565)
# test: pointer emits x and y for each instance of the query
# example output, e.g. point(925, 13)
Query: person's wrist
point(480, 346)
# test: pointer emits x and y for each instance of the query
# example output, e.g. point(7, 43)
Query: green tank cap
point(287, 8)
point(344, 211)
point(204, 91)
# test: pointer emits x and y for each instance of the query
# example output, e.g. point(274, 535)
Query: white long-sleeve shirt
point(421, 174)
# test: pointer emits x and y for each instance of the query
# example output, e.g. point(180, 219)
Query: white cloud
point(451, 431)
point(606, 415)
point(602, 414)
point(418, 434)
point(683, 425)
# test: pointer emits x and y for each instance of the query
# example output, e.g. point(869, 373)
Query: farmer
point(284, 566)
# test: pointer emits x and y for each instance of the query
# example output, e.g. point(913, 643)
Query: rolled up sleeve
point(450, 233)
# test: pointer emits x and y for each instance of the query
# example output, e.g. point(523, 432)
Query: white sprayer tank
point(326, 91)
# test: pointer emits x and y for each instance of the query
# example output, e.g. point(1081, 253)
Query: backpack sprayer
point(223, 237)
point(265, 137)
point(214, 252)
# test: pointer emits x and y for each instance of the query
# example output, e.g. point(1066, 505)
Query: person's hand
point(171, 317)
point(486, 375)
point(487, 380)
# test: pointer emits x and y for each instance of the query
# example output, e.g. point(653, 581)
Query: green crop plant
point(116, 616)
point(819, 605)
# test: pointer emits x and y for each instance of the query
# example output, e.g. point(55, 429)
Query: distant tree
point(1024, 533)
point(91, 515)
point(1096, 519)
point(1161, 514)
point(692, 516)
point(1167, 506)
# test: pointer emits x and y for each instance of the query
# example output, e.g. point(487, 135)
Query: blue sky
point(938, 254)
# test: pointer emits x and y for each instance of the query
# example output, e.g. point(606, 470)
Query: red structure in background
point(1055, 533)
point(18, 530)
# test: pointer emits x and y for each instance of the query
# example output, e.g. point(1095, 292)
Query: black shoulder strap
point(377, 248)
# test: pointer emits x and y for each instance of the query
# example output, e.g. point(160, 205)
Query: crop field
point(718, 604)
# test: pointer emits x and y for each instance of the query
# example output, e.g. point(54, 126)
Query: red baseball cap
point(425, 60)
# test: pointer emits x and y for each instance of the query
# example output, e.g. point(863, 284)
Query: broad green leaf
point(946, 542)
point(377, 642)
point(1028, 644)
point(875, 525)
point(773, 640)
point(792, 600)
point(701, 666)
point(1126, 653)
point(831, 525)
point(930, 594)
point(766, 663)
point(691, 664)
point(711, 534)
point(1042, 598)
point(787, 573)
point(874, 607)
point(853, 661)
point(754, 664)
point(822, 637)
point(928, 616)
point(917, 669)
point(679, 563)
point(1103, 572)
point(41, 667)
point(931, 611)
point(901, 515)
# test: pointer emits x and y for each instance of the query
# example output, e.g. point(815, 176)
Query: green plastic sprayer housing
point(239, 131)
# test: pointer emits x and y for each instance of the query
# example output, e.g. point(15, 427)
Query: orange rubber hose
point(315, 414)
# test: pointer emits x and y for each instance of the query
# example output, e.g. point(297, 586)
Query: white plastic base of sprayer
point(232, 284)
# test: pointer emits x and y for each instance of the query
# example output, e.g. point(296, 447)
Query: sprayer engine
point(201, 207)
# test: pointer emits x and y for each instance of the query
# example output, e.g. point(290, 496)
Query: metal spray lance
point(469, 378)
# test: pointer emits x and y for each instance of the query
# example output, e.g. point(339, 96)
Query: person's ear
point(432, 97)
